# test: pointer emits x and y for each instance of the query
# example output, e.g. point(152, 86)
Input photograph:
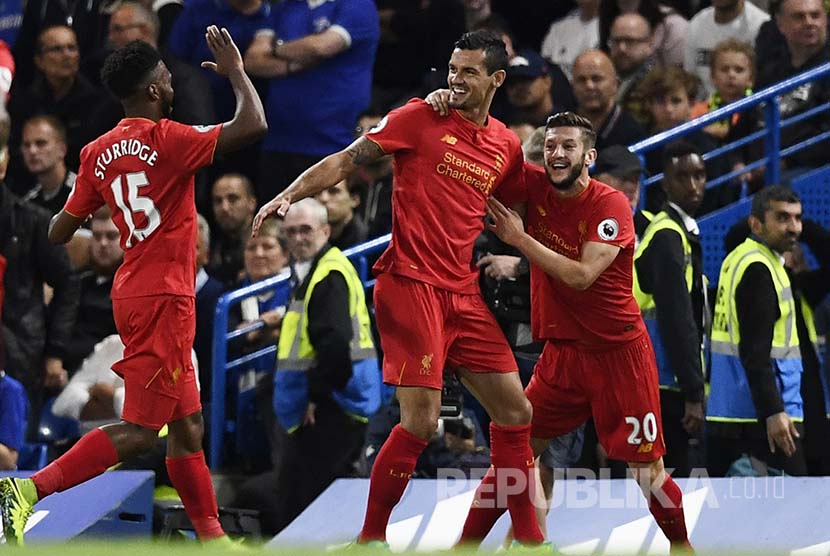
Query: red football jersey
point(607, 311)
point(143, 170)
point(445, 169)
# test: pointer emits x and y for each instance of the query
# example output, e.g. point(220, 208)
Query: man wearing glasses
point(631, 48)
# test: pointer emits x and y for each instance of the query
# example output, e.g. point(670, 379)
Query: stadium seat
point(32, 456)
point(52, 428)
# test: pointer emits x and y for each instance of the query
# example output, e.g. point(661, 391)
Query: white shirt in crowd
point(705, 34)
point(568, 38)
point(97, 368)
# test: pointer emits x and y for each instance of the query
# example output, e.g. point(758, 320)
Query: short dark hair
point(52, 121)
point(676, 149)
point(126, 69)
point(250, 191)
point(495, 52)
point(761, 201)
point(570, 119)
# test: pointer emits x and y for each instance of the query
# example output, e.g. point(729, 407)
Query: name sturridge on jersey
point(125, 147)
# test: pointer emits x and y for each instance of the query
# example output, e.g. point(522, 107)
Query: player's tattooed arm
point(326, 173)
point(364, 151)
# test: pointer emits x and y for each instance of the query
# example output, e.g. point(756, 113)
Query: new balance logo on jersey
point(499, 162)
point(645, 448)
point(449, 139)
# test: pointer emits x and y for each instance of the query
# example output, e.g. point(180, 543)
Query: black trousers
point(312, 459)
point(672, 407)
point(727, 442)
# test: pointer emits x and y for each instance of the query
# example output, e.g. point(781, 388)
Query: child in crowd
point(733, 74)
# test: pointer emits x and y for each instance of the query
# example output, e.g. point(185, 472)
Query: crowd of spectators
point(328, 72)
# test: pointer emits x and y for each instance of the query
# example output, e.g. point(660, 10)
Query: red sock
point(93, 454)
point(666, 505)
point(390, 474)
point(510, 450)
point(191, 478)
point(484, 511)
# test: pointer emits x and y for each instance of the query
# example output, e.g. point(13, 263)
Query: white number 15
point(134, 204)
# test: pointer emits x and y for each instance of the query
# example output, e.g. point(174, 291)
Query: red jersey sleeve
point(513, 189)
point(193, 145)
point(6, 68)
point(84, 199)
point(611, 221)
point(398, 130)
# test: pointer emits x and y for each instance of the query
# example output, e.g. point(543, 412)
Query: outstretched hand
point(506, 223)
point(224, 51)
point(279, 206)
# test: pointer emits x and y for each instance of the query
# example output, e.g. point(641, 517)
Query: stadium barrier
point(220, 427)
point(738, 515)
point(768, 99)
point(117, 504)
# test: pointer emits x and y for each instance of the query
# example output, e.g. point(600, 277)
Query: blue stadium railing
point(219, 424)
point(771, 132)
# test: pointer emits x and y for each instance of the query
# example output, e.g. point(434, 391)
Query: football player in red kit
point(430, 312)
point(143, 170)
point(598, 360)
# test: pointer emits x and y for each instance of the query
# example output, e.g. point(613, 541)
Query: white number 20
point(135, 203)
point(649, 429)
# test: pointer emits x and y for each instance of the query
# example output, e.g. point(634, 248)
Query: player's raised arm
point(63, 226)
point(326, 173)
point(248, 123)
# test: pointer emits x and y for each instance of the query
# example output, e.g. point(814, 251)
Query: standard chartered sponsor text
point(466, 172)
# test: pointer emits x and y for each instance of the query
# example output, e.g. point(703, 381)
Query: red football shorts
point(159, 378)
point(424, 328)
point(617, 386)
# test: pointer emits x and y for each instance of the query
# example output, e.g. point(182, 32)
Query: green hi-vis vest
point(662, 221)
point(730, 399)
point(295, 354)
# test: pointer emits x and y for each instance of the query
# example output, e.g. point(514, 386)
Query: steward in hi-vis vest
point(296, 355)
point(755, 397)
point(327, 382)
point(670, 289)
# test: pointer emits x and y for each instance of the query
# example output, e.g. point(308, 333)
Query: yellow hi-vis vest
point(730, 399)
point(662, 221)
point(295, 354)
